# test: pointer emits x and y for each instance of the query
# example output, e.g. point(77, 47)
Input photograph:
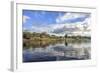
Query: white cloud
point(63, 28)
point(68, 16)
point(76, 28)
point(86, 22)
point(25, 18)
point(40, 28)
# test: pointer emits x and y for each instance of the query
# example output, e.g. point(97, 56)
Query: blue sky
point(38, 20)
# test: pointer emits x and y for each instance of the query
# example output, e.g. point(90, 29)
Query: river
point(58, 52)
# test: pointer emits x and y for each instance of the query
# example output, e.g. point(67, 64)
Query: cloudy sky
point(54, 22)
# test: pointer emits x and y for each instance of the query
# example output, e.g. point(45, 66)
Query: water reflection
point(42, 51)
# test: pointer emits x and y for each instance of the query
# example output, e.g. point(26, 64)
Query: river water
point(58, 52)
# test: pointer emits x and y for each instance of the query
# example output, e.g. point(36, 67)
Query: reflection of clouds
point(72, 50)
point(80, 45)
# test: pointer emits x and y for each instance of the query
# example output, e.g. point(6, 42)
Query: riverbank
point(43, 39)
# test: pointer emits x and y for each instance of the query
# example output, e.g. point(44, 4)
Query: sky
point(55, 22)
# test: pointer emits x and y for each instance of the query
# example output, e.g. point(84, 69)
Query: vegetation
point(43, 39)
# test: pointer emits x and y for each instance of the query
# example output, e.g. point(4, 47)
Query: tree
point(27, 35)
point(66, 35)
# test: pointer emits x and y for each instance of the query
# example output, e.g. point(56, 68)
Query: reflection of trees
point(40, 44)
point(35, 40)
point(66, 43)
point(43, 39)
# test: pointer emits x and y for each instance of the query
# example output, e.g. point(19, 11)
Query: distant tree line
point(29, 35)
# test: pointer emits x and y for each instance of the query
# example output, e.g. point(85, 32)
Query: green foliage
point(27, 35)
point(43, 39)
point(66, 35)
